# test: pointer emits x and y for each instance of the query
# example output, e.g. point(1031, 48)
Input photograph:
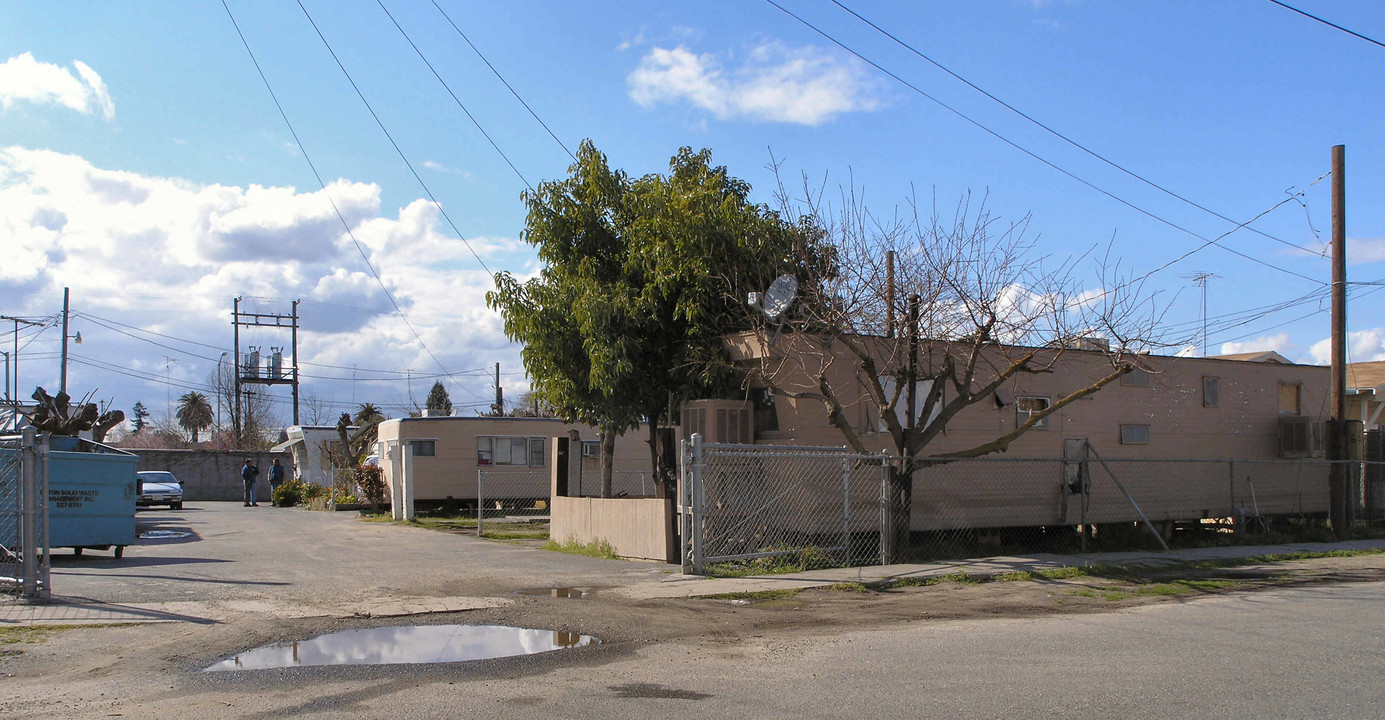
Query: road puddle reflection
point(403, 645)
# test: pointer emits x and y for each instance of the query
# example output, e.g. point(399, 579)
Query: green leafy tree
point(438, 402)
point(640, 280)
point(141, 416)
point(194, 413)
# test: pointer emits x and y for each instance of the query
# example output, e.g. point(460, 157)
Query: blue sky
point(144, 165)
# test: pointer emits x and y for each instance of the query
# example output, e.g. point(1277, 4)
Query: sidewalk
point(688, 586)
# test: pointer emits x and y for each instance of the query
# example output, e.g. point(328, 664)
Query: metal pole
point(62, 373)
point(44, 541)
point(846, 510)
point(1148, 525)
point(698, 495)
point(295, 362)
point(1337, 486)
point(480, 505)
point(28, 507)
point(235, 371)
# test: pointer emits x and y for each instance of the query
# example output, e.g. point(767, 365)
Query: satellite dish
point(779, 296)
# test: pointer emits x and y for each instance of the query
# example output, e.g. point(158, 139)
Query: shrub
point(371, 482)
point(313, 491)
point(290, 493)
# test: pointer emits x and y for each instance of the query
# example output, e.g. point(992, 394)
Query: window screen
point(1211, 391)
point(1134, 434)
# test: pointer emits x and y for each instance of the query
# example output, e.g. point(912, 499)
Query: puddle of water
point(405, 645)
point(164, 535)
point(561, 592)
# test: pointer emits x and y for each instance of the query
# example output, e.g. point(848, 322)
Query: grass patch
point(1063, 573)
point(595, 548)
point(786, 561)
point(856, 587)
point(515, 534)
point(756, 595)
point(1017, 576)
point(35, 634)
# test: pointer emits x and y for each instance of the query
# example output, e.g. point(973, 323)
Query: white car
point(159, 487)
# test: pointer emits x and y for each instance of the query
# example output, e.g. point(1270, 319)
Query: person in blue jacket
point(276, 478)
point(247, 476)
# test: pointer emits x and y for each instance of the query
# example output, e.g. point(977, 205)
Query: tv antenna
point(776, 301)
point(1200, 278)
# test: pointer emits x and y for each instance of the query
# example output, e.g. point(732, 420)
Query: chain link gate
point(24, 556)
point(800, 506)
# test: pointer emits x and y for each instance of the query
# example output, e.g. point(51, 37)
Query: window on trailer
point(521, 451)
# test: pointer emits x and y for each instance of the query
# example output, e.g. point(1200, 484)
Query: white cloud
point(168, 255)
point(1363, 346)
point(1279, 343)
point(1364, 250)
point(775, 83)
point(24, 79)
point(439, 167)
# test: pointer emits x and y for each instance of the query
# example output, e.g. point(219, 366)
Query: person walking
point(247, 476)
point(276, 478)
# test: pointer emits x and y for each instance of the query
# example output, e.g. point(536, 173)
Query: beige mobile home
point(1262, 413)
point(449, 455)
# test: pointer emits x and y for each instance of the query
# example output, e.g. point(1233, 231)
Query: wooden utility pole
point(62, 373)
point(1338, 511)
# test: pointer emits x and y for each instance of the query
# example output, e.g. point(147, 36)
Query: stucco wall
point(637, 528)
point(212, 474)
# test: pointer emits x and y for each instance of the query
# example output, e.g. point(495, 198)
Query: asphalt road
point(292, 556)
point(1302, 653)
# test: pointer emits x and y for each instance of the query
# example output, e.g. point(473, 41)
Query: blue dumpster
point(91, 495)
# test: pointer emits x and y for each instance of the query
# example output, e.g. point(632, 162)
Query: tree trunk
point(608, 451)
point(899, 502)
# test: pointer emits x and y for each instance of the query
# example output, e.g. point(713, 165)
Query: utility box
point(92, 490)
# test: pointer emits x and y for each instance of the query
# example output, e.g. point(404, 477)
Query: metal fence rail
point(24, 556)
point(804, 507)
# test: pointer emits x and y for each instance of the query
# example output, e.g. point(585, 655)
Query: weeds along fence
point(24, 556)
point(749, 507)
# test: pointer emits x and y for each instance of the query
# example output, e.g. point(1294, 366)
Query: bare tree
point(315, 409)
point(923, 316)
point(252, 420)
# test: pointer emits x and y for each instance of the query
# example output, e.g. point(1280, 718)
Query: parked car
point(159, 487)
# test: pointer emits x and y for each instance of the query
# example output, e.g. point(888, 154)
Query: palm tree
point(194, 413)
point(367, 413)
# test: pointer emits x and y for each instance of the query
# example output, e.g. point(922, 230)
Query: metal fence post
point(698, 497)
point(28, 508)
point(846, 509)
point(480, 503)
point(884, 502)
point(45, 556)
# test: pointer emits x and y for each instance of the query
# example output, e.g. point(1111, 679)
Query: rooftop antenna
point(1200, 278)
point(776, 301)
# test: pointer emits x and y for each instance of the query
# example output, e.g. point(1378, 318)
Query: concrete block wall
point(214, 474)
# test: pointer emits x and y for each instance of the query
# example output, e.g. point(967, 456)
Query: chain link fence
point(753, 508)
point(24, 556)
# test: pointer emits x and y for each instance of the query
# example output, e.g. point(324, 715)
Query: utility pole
point(499, 394)
point(1338, 510)
point(62, 374)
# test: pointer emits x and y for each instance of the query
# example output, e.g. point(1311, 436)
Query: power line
point(1039, 158)
point(445, 86)
point(328, 195)
point(502, 79)
point(1329, 23)
point(1057, 134)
